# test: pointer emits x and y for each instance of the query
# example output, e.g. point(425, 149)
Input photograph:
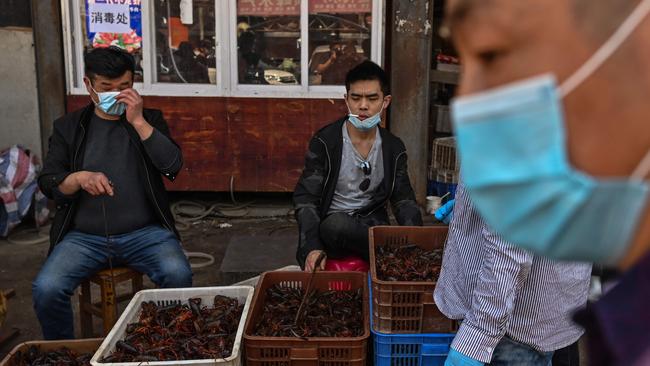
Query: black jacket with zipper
point(313, 194)
point(65, 156)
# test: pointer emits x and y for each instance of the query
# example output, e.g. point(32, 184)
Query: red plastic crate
point(322, 351)
point(401, 306)
point(80, 346)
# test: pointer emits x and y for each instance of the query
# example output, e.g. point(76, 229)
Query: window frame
point(226, 53)
point(181, 89)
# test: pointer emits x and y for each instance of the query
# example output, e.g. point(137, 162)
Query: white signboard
point(109, 18)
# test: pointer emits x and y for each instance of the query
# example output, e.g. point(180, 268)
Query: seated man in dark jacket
point(353, 168)
point(103, 170)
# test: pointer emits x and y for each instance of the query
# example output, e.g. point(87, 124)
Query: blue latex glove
point(456, 358)
point(446, 212)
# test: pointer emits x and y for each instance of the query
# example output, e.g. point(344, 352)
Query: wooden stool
point(106, 308)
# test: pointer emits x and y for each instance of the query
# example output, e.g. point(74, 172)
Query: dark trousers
point(511, 353)
point(344, 234)
point(567, 356)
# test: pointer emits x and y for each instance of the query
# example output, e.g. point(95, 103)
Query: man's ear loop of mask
point(350, 114)
point(603, 54)
point(90, 84)
point(633, 21)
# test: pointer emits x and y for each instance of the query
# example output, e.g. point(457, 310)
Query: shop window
point(268, 42)
point(243, 48)
point(339, 39)
point(113, 23)
point(185, 41)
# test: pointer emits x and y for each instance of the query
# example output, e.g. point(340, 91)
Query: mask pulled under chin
point(368, 123)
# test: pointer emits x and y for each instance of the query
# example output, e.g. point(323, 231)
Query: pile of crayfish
point(33, 356)
point(180, 332)
point(408, 263)
point(326, 313)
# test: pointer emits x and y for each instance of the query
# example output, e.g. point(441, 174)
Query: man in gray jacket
point(353, 169)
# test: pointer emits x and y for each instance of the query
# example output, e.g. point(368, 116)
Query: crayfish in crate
point(408, 263)
point(33, 356)
point(180, 332)
point(325, 314)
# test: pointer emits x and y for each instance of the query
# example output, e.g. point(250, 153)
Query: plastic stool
point(350, 263)
point(106, 308)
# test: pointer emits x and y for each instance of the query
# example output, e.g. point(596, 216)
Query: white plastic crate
point(253, 280)
point(164, 297)
point(444, 154)
point(446, 176)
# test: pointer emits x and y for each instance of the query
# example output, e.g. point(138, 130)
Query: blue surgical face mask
point(368, 123)
point(108, 104)
point(512, 146)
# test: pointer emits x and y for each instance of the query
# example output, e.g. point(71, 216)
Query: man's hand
point(134, 108)
point(94, 183)
point(133, 102)
point(312, 257)
point(333, 56)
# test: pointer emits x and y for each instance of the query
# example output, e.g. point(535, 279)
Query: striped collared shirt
point(501, 290)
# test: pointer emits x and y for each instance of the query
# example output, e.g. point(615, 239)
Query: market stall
point(236, 80)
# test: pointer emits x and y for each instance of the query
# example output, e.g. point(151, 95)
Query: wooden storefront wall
point(261, 143)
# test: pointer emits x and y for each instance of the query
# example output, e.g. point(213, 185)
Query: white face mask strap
point(641, 172)
point(383, 106)
point(607, 49)
point(345, 98)
point(96, 93)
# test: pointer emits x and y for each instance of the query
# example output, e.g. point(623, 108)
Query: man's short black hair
point(368, 70)
point(111, 62)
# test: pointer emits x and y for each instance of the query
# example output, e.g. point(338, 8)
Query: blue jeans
point(512, 353)
point(151, 250)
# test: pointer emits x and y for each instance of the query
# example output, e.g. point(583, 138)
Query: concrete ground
point(264, 239)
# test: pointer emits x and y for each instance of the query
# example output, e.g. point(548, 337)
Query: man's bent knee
point(47, 290)
point(333, 225)
point(175, 273)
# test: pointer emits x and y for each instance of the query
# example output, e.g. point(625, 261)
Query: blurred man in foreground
point(560, 88)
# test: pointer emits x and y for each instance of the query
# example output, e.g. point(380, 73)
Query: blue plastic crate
point(427, 349)
point(411, 349)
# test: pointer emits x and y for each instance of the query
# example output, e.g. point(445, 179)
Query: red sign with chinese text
point(340, 6)
point(268, 7)
point(292, 7)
